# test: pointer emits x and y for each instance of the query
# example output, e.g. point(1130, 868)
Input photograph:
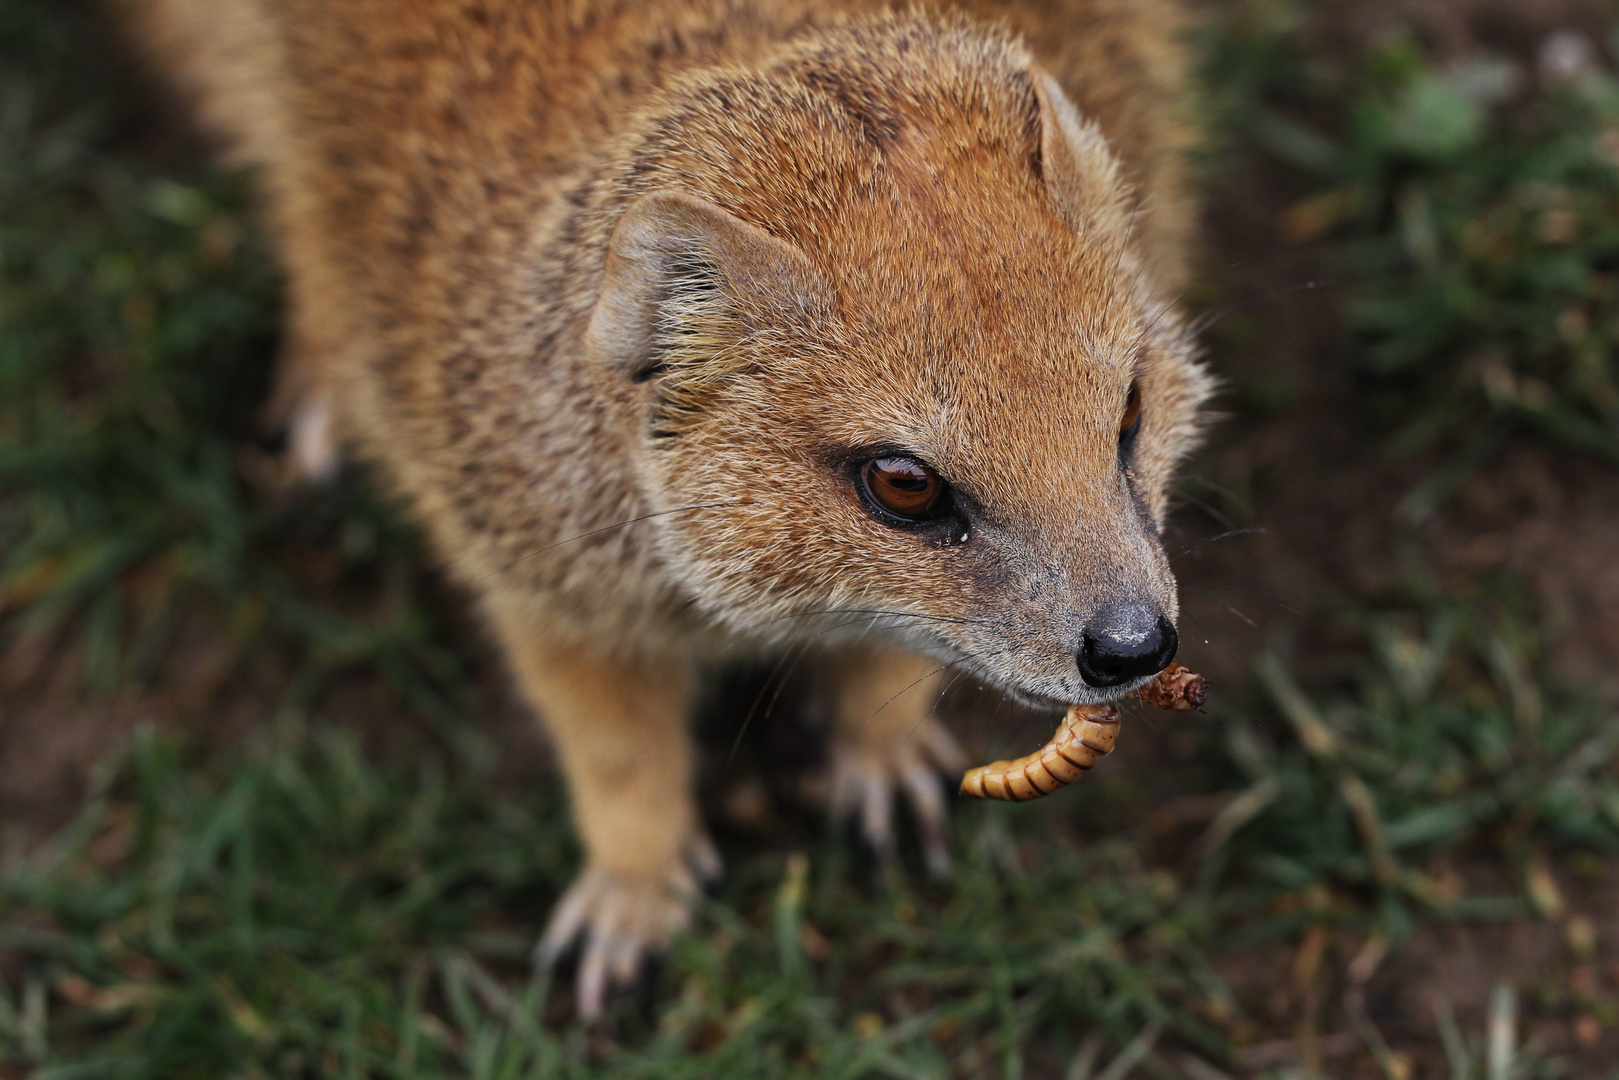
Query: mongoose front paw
point(620, 921)
point(867, 775)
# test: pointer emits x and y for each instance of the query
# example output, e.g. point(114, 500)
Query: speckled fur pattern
point(555, 267)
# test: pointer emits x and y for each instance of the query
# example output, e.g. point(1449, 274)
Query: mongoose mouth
point(1086, 735)
point(1035, 701)
point(1056, 706)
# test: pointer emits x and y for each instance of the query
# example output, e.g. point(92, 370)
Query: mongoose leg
point(302, 410)
point(304, 401)
point(886, 742)
point(620, 729)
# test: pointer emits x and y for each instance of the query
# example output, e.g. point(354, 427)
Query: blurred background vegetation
point(253, 820)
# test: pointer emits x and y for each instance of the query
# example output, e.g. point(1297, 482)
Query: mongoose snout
point(1126, 642)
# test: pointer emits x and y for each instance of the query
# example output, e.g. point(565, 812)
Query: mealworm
point(1087, 733)
point(1085, 737)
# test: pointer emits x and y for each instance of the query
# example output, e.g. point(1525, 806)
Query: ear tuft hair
point(1080, 171)
point(686, 287)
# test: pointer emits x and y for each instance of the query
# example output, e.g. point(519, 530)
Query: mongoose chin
point(697, 330)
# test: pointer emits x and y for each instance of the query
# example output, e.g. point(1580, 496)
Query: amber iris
point(1131, 422)
point(903, 486)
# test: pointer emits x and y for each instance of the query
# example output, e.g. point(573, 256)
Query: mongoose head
point(877, 315)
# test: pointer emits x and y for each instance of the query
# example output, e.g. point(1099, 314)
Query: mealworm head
point(1085, 737)
point(1176, 688)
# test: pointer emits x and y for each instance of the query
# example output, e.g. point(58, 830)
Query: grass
point(1441, 741)
point(139, 324)
point(304, 911)
point(294, 906)
point(1470, 215)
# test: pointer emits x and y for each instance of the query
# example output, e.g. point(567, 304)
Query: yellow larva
point(1085, 737)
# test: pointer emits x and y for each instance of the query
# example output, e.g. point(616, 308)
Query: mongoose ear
point(685, 282)
point(1080, 171)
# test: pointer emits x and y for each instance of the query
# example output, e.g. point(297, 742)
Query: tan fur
point(561, 266)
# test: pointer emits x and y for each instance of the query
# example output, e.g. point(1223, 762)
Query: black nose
point(1124, 643)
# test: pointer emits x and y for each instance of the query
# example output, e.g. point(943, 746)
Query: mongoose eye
point(903, 487)
point(1130, 424)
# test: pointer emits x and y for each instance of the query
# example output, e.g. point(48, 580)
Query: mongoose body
point(695, 329)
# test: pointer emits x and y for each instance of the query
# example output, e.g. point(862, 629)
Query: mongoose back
point(695, 329)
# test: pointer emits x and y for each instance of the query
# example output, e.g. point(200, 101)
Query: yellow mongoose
point(696, 328)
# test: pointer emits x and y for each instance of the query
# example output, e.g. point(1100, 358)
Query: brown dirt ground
point(1545, 516)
